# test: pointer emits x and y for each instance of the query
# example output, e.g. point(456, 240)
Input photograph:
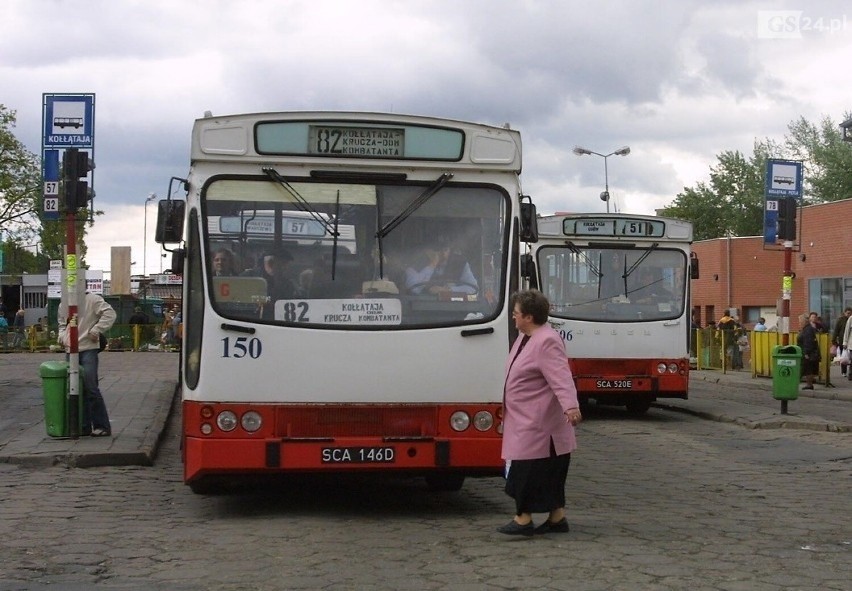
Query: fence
point(719, 350)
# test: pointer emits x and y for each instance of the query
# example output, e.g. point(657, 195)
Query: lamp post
point(619, 152)
point(148, 199)
point(846, 126)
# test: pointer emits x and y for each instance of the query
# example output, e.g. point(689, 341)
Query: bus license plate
point(357, 455)
point(607, 384)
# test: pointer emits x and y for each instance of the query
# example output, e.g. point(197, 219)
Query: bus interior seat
point(348, 276)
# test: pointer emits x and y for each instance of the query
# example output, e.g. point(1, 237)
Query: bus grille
point(356, 421)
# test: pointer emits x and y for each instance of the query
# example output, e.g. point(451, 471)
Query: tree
point(734, 199)
point(20, 184)
point(21, 197)
point(827, 159)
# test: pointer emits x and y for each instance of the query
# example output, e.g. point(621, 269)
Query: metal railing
point(121, 337)
point(716, 349)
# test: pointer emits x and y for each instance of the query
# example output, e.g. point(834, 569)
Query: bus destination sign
point(637, 227)
point(370, 142)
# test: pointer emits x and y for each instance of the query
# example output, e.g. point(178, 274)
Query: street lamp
point(619, 152)
point(148, 199)
point(846, 126)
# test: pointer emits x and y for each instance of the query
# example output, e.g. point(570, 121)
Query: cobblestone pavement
point(667, 501)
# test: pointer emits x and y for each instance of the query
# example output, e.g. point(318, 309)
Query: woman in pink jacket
point(540, 410)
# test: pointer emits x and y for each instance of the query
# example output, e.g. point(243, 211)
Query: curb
point(765, 385)
point(144, 456)
point(773, 422)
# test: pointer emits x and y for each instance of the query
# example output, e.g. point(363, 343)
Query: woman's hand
point(573, 416)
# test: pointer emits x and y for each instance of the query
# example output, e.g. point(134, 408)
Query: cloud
point(679, 82)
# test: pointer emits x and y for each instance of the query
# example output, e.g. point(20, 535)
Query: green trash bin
point(54, 383)
point(786, 371)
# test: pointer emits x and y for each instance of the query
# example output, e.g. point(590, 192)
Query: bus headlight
point(460, 420)
point(673, 368)
point(483, 420)
point(251, 421)
point(227, 420)
point(661, 367)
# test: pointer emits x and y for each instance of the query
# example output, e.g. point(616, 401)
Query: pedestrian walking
point(94, 318)
point(540, 411)
point(19, 325)
point(4, 332)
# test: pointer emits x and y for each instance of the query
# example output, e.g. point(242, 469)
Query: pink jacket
point(539, 389)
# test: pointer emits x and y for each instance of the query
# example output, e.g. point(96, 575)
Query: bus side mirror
point(693, 266)
point(529, 221)
point(170, 214)
point(178, 260)
point(528, 271)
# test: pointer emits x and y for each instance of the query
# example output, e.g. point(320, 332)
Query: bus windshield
point(613, 284)
point(354, 255)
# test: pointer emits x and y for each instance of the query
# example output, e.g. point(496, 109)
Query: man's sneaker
point(100, 433)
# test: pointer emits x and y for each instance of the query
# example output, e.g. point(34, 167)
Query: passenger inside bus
point(441, 269)
point(651, 290)
point(274, 268)
point(224, 263)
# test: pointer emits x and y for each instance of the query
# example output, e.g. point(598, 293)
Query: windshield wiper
point(640, 259)
point(573, 248)
point(414, 205)
point(301, 202)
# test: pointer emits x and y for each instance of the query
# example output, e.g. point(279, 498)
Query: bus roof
point(617, 226)
point(323, 137)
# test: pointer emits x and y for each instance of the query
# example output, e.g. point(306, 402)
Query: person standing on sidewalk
point(94, 318)
point(540, 411)
point(846, 341)
point(807, 340)
point(837, 336)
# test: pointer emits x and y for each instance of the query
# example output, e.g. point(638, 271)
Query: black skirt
point(538, 486)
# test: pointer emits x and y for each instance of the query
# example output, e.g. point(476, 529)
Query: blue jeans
point(95, 414)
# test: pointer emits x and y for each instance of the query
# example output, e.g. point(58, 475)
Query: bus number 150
point(239, 347)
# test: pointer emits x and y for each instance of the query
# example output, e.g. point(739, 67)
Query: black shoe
point(807, 387)
point(513, 528)
point(548, 527)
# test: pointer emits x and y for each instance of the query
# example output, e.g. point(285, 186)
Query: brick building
point(745, 274)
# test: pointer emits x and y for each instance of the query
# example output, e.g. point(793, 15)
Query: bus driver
point(445, 271)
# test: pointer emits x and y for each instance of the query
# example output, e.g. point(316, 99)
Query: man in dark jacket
point(809, 343)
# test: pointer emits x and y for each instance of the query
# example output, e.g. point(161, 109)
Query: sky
point(678, 82)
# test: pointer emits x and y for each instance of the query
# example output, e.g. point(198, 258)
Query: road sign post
point(68, 124)
point(783, 190)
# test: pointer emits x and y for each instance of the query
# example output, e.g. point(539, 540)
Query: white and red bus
point(619, 295)
point(312, 350)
